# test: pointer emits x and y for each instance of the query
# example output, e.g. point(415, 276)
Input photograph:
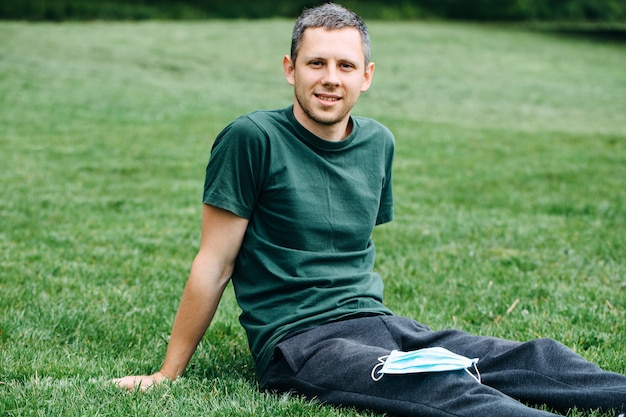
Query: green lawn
point(510, 183)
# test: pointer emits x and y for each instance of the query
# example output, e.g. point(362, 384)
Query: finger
point(129, 382)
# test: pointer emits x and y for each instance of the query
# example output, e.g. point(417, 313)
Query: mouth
point(326, 98)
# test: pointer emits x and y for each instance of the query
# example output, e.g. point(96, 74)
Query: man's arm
point(222, 234)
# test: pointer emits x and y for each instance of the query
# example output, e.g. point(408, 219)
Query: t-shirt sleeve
point(235, 170)
point(385, 210)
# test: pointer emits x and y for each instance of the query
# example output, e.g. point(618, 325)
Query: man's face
point(328, 76)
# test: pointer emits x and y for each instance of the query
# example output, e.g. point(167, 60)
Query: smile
point(327, 98)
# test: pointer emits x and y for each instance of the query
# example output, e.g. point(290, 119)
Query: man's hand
point(141, 382)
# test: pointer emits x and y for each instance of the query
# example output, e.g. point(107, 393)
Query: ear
point(288, 68)
point(367, 77)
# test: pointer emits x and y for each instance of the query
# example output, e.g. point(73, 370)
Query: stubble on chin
point(321, 117)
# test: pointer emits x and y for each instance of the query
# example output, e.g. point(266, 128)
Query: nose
point(331, 76)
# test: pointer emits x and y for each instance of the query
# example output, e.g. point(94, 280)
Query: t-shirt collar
point(315, 140)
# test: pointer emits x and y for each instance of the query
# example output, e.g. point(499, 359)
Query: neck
point(332, 132)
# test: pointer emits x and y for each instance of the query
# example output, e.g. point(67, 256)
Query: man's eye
point(346, 67)
point(316, 63)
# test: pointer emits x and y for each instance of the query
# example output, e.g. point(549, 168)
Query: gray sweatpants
point(333, 364)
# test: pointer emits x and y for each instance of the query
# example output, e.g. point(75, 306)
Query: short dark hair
point(328, 16)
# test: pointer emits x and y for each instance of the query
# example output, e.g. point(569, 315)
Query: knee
point(550, 350)
point(547, 344)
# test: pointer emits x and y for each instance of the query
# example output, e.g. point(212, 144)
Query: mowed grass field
point(510, 185)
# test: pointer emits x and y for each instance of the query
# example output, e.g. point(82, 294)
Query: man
point(290, 202)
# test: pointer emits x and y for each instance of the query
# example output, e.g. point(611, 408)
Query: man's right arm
point(222, 235)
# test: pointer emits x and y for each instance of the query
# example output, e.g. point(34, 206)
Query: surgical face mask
point(435, 359)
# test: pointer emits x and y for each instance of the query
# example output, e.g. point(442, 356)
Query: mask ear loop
point(476, 377)
point(377, 376)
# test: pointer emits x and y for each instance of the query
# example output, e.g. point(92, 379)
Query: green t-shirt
point(307, 257)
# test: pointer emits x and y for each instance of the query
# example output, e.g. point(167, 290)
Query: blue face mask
point(436, 359)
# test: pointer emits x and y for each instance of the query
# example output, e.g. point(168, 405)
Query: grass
point(510, 183)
